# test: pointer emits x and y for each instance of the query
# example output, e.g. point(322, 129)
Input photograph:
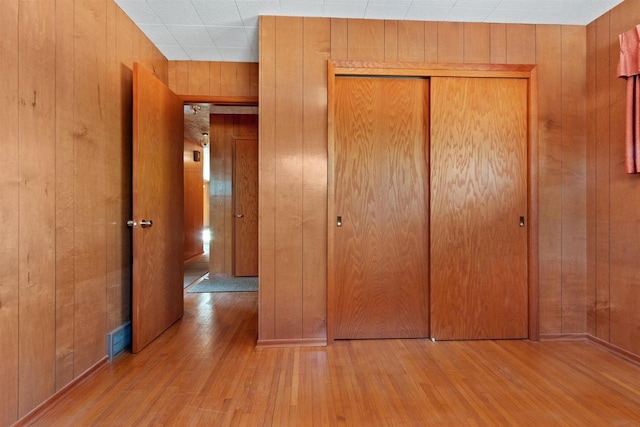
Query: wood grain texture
point(267, 178)
point(365, 39)
point(574, 179)
point(624, 201)
point(498, 43)
point(220, 194)
point(317, 50)
point(64, 221)
point(72, 110)
point(478, 191)
point(391, 382)
point(203, 79)
point(549, 54)
point(36, 126)
point(477, 43)
point(288, 176)
point(381, 194)
point(431, 42)
point(245, 200)
point(590, 184)
point(90, 207)
point(521, 44)
point(193, 201)
point(450, 42)
point(199, 81)
point(339, 32)
point(603, 184)
point(10, 213)
point(509, 43)
point(411, 43)
point(158, 196)
point(391, 40)
point(119, 306)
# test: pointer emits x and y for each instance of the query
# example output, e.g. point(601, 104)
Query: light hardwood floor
point(206, 370)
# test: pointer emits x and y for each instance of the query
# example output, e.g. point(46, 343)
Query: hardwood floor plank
point(206, 370)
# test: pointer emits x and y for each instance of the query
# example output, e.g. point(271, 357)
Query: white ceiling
point(227, 30)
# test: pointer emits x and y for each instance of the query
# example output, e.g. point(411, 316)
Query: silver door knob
point(239, 215)
point(145, 223)
point(132, 224)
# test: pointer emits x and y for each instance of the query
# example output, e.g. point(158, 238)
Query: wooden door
point(381, 195)
point(245, 198)
point(478, 194)
point(158, 249)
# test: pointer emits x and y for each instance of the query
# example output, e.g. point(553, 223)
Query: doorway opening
point(223, 222)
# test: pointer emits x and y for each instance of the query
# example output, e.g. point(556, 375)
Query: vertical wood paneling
point(339, 31)
point(573, 179)
point(391, 40)
point(90, 220)
point(288, 176)
point(36, 125)
point(365, 39)
point(9, 212)
point(179, 77)
point(214, 78)
point(549, 53)
point(603, 184)
point(122, 164)
point(221, 151)
point(624, 220)
point(113, 161)
point(590, 184)
point(65, 242)
point(498, 43)
point(411, 41)
point(64, 126)
point(431, 41)
point(317, 50)
point(521, 44)
point(450, 42)
point(477, 43)
point(235, 78)
point(254, 84)
point(198, 78)
point(267, 181)
point(193, 202)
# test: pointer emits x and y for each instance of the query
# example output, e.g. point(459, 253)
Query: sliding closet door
point(381, 197)
point(478, 208)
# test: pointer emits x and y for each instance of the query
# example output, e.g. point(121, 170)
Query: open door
point(158, 212)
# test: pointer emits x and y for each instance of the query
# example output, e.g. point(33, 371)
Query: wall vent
point(118, 340)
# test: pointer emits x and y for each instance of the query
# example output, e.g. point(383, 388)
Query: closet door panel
point(478, 245)
point(381, 195)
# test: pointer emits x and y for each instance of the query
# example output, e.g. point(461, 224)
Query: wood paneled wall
point(193, 199)
point(213, 78)
point(293, 162)
point(613, 196)
point(65, 179)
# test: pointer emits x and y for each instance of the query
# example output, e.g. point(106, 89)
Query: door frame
point(340, 68)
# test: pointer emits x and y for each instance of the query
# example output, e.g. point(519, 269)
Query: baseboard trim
point(302, 342)
point(44, 407)
point(605, 345)
point(612, 348)
point(563, 337)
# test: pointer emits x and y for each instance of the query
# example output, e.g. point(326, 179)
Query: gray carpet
point(226, 284)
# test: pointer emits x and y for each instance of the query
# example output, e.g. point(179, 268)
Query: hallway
point(205, 370)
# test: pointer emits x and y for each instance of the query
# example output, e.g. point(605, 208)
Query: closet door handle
point(521, 221)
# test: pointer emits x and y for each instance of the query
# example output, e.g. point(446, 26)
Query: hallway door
point(382, 204)
point(158, 208)
point(245, 201)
